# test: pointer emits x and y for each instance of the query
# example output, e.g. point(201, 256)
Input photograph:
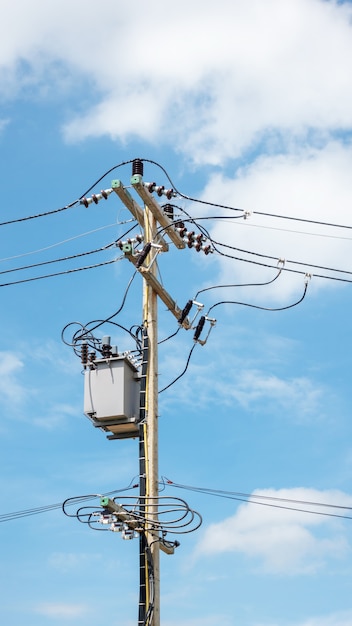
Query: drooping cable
point(33, 217)
point(70, 271)
point(68, 206)
point(86, 331)
point(182, 373)
point(272, 258)
point(59, 243)
point(8, 517)
point(268, 282)
point(265, 500)
point(232, 208)
point(59, 260)
point(262, 308)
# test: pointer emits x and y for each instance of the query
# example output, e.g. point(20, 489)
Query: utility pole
point(150, 319)
point(110, 380)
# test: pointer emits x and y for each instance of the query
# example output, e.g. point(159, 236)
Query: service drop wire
point(76, 269)
point(108, 319)
point(182, 373)
point(33, 217)
point(263, 500)
point(70, 271)
point(8, 517)
point(115, 167)
point(262, 308)
point(240, 284)
point(215, 243)
point(68, 206)
point(66, 258)
point(231, 208)
point(272, 258)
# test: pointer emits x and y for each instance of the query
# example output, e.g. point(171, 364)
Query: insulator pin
point(96, 197)
point(143, 255)
point(137, 167)
point(84, 353)
point(160, 190)
point(185, 312)
point(199, 328)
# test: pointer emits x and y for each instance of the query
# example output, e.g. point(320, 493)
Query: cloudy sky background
point(248, 105)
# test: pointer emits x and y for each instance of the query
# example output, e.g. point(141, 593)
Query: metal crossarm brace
point(164, 221)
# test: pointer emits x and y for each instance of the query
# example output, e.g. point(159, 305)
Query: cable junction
point(159, 516)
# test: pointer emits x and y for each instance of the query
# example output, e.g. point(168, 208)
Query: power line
point(60, 243)
point(232, 208)
point(8, 517)
point(66, 258)
point(285, 269)
point(250, 498)
point(262, 308)
point(33, 217)
point(71, 271)
point(68, 206)
point(266, 256)
point(265, 500)
point(182, 373)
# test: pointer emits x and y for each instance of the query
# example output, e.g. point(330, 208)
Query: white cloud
point(341, 618)
point(210, 620)
point(11, 389)
point(55, 416)
point(278, 71)
point(252, 387)
point(3, 123)
point(61, 610)
point(282, 541)
point(70, 561)
point(313, 184)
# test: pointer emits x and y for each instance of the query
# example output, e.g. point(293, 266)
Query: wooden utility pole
point(150, 319)
point(151, 217)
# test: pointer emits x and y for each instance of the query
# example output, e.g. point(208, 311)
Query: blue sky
point(245, 104)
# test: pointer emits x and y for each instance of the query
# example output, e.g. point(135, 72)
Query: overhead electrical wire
point(68, 206)
point(60, 243)
point(215, 243)
point(285, 269)
point(262, 308)
point(245, 224)
point(8, 517)
point(102, 249)
point(268, 282)
point(66, 258)
point(70, 271)
point(260, 499)
point(251, 498)
point(33, 217)
point(182, 373)
point(266, 256)
point(85, 333)
point(180, 194)
point(232, 208)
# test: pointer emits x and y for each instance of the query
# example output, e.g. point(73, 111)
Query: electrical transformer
point(111, 395)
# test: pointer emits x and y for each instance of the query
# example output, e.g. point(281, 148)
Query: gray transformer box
point(111, 395)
